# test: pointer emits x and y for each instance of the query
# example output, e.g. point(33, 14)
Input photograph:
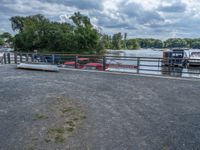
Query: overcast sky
point(139, 18)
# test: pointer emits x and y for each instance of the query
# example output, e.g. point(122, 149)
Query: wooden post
point(4, 58)
point(138, 65)
point(104, 63)
point(8, 55)
point(76, 61)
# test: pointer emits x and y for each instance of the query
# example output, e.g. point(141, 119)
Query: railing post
point(8, 55)
point(20, 57)
point(53, 59)
point(26, 57)
point(138, 65)
point(4, 58)
point(15, 58)
point(76, 62)
point(32, 57)
point(104, 63)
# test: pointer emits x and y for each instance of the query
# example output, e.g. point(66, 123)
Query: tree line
point(119, 41)
point(39, 33)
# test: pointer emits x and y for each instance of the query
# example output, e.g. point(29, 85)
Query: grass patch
point(59, 139)
point(83, 117)
point(67, 110)
point(64, 117)
point(57, 135)
point(57, 130)
point(47, 140)
point(40, 117)
point(70, 129)
point(70, 123)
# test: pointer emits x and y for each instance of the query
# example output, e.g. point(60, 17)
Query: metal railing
point(140, 65)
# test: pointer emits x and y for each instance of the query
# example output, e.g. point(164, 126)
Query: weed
point(40, 117)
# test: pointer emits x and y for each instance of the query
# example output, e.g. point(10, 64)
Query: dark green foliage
point(175, 43)
point(1, 41)
point(195, 44)
point(133, 44)
point(117, 41)
point(37, 32)
point(6, 39)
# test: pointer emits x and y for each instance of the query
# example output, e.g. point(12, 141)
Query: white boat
point(194, 58)
point(35, 66)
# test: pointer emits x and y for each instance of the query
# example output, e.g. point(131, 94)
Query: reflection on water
point(156, 67)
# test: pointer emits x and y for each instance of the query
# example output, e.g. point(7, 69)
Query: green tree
point(195, 44)
point(37, 32)
point(7, 38)
point(2, 42)
point(17, 23)
point(175, 43)
point(125, 41)
point(86, 35)
point(117, 41)
point(133, 44)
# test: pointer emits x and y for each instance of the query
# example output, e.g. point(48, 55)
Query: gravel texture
point(120, 112)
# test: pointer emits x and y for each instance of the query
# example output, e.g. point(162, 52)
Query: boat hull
point(41, 67)
point(194, 62)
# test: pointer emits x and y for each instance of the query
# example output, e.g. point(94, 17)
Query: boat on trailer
point(38, 66)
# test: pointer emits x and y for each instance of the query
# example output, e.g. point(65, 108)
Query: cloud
point(81, 4)
point(177, 7)
point(148, 18)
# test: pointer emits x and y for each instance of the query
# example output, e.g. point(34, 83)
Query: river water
point(156, 69)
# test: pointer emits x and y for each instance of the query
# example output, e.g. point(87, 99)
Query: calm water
point(177, 71)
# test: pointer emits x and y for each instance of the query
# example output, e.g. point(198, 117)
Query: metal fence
point(140, 65)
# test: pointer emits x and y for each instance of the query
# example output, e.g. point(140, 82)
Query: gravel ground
point(119, 112)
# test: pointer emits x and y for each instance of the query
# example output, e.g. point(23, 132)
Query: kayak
point(42, 67)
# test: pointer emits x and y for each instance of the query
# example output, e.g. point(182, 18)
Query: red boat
point(80, 64)
point(83, 63)
point(95, 66)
